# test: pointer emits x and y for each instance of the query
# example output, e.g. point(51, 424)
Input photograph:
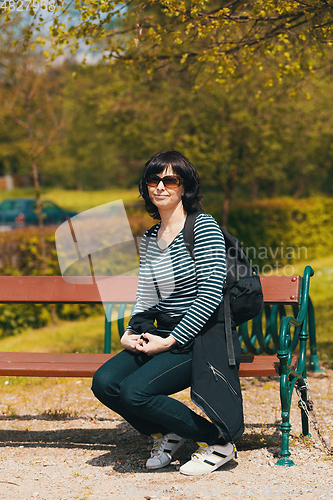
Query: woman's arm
point(210, 263)
point(146, 295)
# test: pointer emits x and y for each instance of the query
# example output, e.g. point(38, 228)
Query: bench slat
point(36, 364)
point(55, 289)
point(115, 289)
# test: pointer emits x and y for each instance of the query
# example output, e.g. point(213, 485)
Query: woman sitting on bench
point(178, 298)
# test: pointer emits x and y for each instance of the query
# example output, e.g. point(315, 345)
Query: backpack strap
point(188, 233)
point(189, 243)
point(228, 330)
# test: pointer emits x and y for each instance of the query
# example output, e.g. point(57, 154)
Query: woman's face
point(166, 198)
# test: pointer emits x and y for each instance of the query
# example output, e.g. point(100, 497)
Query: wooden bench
point(37, 364)
point(276, 341)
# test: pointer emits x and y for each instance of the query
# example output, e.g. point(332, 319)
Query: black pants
point(138, 387)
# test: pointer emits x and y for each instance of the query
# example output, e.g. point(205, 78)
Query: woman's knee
point(108, 377)
point(103, 385)
point(97, 385)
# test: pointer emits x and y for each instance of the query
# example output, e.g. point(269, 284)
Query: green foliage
point(86, 156)
point(241, 139)
point(21, 256)
point(284, 231)
point(211, 40)
point(72, 312)
point(245, 146)
point(15, 318)
point(21, 253)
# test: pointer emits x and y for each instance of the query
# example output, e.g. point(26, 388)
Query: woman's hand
point(129, 341)
point(155, 344)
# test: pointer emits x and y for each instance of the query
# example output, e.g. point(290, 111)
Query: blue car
point(21, 212)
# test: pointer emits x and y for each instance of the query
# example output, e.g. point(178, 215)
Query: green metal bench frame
point(274, 339)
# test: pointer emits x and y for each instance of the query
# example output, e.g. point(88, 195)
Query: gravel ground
point(59, 443)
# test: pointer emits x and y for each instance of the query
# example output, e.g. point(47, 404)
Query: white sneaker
point(208, 458)
point(163, 449)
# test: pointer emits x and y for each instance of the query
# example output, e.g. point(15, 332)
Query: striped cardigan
point(171, 282)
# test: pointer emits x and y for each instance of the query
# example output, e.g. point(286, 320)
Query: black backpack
point(242, 292)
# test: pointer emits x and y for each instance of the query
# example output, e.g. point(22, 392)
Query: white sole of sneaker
point(212, 466)
point(155, 467)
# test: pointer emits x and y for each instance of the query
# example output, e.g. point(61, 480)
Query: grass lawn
point(321, 293)
point(83, 200)
point(76, 200)
point(67, 336)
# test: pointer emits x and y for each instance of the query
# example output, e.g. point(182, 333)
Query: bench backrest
point(115, 289)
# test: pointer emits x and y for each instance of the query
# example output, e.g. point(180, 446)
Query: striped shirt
point(174, 284)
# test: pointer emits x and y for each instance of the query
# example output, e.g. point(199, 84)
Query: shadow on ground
point(124, 448)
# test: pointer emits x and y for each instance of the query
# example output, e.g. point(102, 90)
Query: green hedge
point(20, 255)
point(284, 231)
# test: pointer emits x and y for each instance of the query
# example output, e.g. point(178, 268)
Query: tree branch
point(13, 116)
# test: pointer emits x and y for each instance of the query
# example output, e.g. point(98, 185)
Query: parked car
point(20, 212)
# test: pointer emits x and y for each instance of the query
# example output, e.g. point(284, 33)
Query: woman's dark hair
point(192, 197)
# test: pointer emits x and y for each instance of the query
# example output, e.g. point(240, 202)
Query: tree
point(212, 39)
point(32, 99)
point(303, 128)
point(85, 155)
point(229, 136)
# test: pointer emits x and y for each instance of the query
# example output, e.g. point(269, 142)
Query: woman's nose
point(160, 185)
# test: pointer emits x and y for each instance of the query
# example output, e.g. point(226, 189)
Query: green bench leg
point(286, 389)
point(120, 321)
point(107, 329)
point(286, 394)
point(285, 453)
point(314, 358)
point(287, 383)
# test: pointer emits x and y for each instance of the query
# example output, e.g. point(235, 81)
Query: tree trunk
point(39, 215)
point(78, 176)
point(254, 189)
point(41, 230)
point(38, 203)
point(226, 207)
point(36, 185)
point(301, 185)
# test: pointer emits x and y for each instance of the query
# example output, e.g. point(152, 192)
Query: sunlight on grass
point(76, 200)
point(67, 336)
point(83, 200)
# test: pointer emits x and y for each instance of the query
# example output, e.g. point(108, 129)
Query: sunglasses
point(169, 181)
